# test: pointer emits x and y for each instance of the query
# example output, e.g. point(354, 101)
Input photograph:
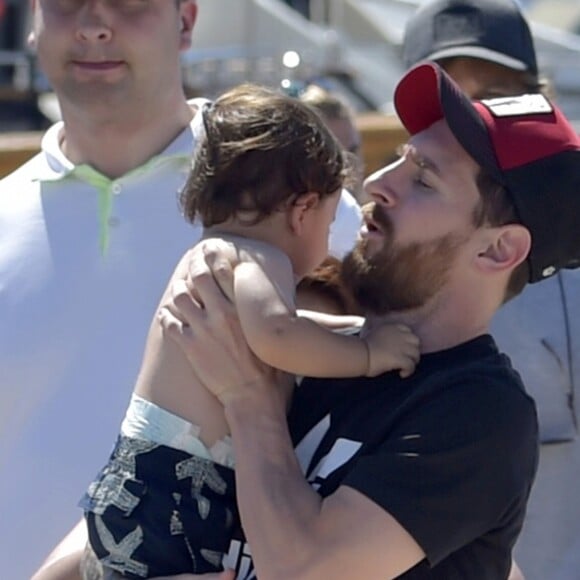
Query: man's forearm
point(64, 561)
point(278, 507)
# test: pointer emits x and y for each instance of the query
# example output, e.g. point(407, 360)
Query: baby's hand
point(392, 346)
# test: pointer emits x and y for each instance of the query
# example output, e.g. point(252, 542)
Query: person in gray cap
point(485, 45)
point(487, 48)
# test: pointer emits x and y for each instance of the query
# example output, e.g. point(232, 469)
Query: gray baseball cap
point(492, 30)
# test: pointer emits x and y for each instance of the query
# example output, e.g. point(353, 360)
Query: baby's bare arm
point(332, 321)
point(286, 341)
point(302, 346)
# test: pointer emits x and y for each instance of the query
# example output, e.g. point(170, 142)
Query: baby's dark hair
point(261, 148)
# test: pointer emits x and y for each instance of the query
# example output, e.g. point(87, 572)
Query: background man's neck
point(115, 143)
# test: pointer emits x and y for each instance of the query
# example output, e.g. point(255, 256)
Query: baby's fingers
point(408, 367)
point(408, 349)
point(407, 334)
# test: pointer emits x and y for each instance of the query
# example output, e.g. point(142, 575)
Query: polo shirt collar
point(56, 166)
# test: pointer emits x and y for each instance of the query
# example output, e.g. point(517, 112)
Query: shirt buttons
point(117, 188)
point(113, 221)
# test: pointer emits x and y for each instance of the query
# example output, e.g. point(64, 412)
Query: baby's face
point(317, 231)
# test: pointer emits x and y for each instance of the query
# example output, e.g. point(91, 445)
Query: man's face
point(417, 228)
point(481, 79)
point(108, 53)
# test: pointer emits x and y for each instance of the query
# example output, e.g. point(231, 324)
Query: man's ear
point(299, 211)
point(504, 248)
point(188, 16)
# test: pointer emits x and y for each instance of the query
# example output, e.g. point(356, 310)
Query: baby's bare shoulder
point(238, 249)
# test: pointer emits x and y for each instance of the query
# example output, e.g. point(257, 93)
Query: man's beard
point(398, 277)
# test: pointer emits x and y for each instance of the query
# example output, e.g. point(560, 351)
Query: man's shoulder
point(476, 371)
point(24, 176)
point(478, 356)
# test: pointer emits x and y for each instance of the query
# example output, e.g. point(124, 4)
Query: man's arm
point(64, 561)
point(293, 533)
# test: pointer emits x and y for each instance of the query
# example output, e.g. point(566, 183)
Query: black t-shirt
point(450, 452)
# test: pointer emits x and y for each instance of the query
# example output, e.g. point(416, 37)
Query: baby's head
point(261, 152)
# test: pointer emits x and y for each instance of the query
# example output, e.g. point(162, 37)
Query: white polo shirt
point(346, 225)
point(83, 262)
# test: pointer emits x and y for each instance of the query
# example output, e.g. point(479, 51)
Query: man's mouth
point(97, 65)
point(374, 221)
point(372, 226)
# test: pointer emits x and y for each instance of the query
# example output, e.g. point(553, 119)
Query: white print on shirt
point(239, 556)
point(341, 452)
point(306, 449)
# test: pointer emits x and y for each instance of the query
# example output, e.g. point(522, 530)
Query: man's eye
point(419, 180)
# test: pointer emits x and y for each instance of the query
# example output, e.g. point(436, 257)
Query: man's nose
point(93, 24)
point(380, 189)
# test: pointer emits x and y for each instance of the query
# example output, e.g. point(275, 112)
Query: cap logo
point(517, 106)
point(457, 25)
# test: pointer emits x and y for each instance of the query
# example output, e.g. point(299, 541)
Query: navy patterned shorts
point(154, 510)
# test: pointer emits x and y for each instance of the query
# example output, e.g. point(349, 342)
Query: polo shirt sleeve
point(346, 225)
point(455, 467)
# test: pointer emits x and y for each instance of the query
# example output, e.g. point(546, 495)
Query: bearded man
point(425, 477)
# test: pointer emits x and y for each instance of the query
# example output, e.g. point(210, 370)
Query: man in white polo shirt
point(89, 229)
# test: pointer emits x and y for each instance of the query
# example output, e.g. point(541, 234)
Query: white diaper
point(145, 420)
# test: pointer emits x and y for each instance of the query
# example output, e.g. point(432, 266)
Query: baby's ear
point(299, 210)
point(308, 200)
point(505, 248)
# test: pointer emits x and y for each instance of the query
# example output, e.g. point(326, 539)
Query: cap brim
point(481, 53)
point(426, 95)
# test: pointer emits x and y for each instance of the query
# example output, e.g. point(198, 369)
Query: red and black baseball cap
point(524, 142)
